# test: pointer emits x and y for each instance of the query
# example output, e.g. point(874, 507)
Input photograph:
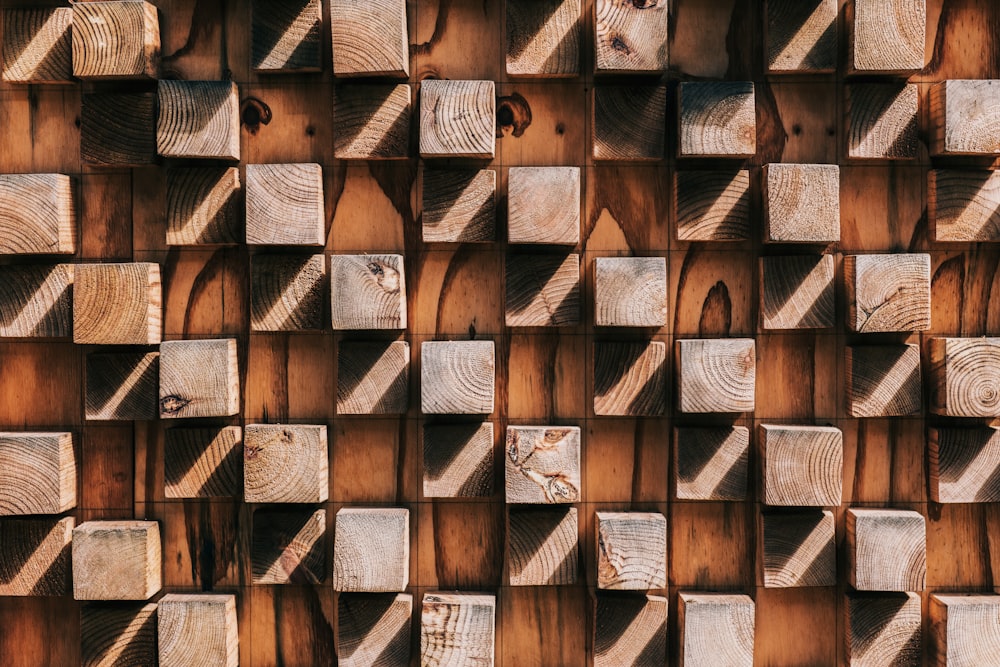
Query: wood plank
point(801, 203)
point(373, 121)
point(459, 206)
point(199, 378)
point(716, 375)
point(630, 291)
point(710, 463)
point(543, 38)
point(373, 378)
point(286, 36)
point(116, 560)
point(374, 629)
point(798, 549)
point(285, 463)
point(37, 45)
point(36, 301)
point(457, 377)
point(882, 121)
point(197, 629)
point(887, 293)
point(962, 117)
point(883, 380)
point(964, 629)
point(797, 292)
point(803, 466)
point(116, 40)
point(368, 292)
point(117, 633)
point(712, 205)
point(543, 205)
point(964, 377)
point(887, 37)
point(287, 292)
point(198, 119)
point(118, 129)
point(121, 386)
point(35, 556)
point(117, 304)
point(542, 547)
point(964, 206)
point(882, 629)
point(37, 473)
point(285, 204)
point(203, 462)
point(717, 119)
point(457, 119)
point(370, 38)
point(37, 214)
point(542, 290)
point(630, 630)
point(715, 628)
point(371, 550)
point(886, 550)
point(457, 629)
point(458, 460)
point(631, 550)
point(288, 547)
point(628, 123)
point(630, 37)
point(542, 465)
point(630, 378)
point(801, 36)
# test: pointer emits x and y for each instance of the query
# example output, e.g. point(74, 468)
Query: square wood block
point(631, 550)
point(373, 378)
point(543, 290)
point(116, 560)
point(197, 629)
point(459, 205)
point(203, 462)
point(122, 386)
point(882, 121)
point(883, 626)
point(965, 629)
point(628, 123)
point(37, 214)
point(285, 463)
point(963, 113)
point(630, 378)
point(888, 293)
point(710, 463)
point(371, 550)
point(198, 119)
point(716, 375)
point(289, 546)
point(883, 380)
point(963, 206)
point(374, 628)
point(113, 631)
point(965, 377)
point(116, 40)
point(630, 291)
point(801, 203)
point(886, 38)
point(886, 550)
point(372, 121)
point(457, 377)
point(798, 549)
point(457, 119)
point(285, 205)
point(543, 205)
point(199, 378)
point(368, 292)
point(117, 304)
point(370, 39)
point(286, 36)
point(543, 38)
point(203, 206)
point(542, 547)
point(803, 466)
point(712, 205)
point(717, 119)
point(543, 464)
point(797, 292)
point(963, 464)
point(630, 38)
point(714, 628)
point(457, 629)
point(35, 556)
point(630, 630)
point(37, 45)
point(458, 460)
point(38, 473)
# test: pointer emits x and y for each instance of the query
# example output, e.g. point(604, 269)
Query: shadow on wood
point(286, 36)
point(122, 386)
point(459, 206)
point(373, 378)
point(710, 463)
point(629, 630)
point(203, 462)
point(37, 45)
point(543, 38)
point(458, 460)
point(374, 629)
point(36, 301)
point(35, 556)
point(712, 205)
point(117, 633)
point(289, 547)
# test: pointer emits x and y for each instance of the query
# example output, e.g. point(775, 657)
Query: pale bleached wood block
point(459, 206)
point(715, 629)
point(882, 629)
point(457, 629)
point(457, 377)
point(963, 464)
point(543, 205)
point(883, 380)
point(457, 119)
point(458, 460)
point(203, 206)
point(372, 121)
point(117, 129)
point(543, 38)
point(964, 629)
point(887, 293)
point(630, 37)
point(963, 117)
point(882, 121)
point(630, 291)
point(631, 550)
point(287, 292)
point(716, 375)
point(37, 45)
point(717, 119)
point(116, 40)
point(712, 205)
point(371, 550)
point(370, 38)
point(801, 36)
point(203, 462)
point(36, 301)
point(195, 629)
point(964, 206)
point(797, 292)
point(199, 378)
point(198, 119)
point(886, 550)
point(122, 386)
point(374, 629)
point(288, 546)
point(116, 634)
point(543, 464)
point(117, 304)
point(542, 547)
point(368, 292)
point(803, 466)
point(37, 214)
point(801, 203)
point(965, 377)
point(116, 560)
point(887, 36)
point(285, 204)
point(286, 36)
point(35, 556)
point(285, 463)
point(798, 549)
point(37, 473)
point(630, 378)
point(710, 463)
point(542, 290)
point(630, 630)
point(373, 378)
point(629, 123)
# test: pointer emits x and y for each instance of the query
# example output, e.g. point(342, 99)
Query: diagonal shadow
point(276, 542)
point(57, 51)
point(120, 383)
point(874, 373)
point(360, 616)
point(26, 287)
point(275, 277)
point(615, 614)
point(708, 449)
point(362, 117)
point(450, 187)
point(614, 362)
point(783, 289)
point(103, 626)
point(796, 529)
point(874, 623)
point(25, 537)
point(527, 20)
point(275, 45)
point(790, 18)
point(361, 367)
point(707, 198)
point(534, 528)
point(528, 276)
point(226, 477)
point(221, 215)
point(448, 447)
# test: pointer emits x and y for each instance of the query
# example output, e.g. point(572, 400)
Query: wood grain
point(712, 205)
point(204, 206)
point(542, 547)
point(798, 549)
point(199, 378)
point(887, 36)
point(37, 214)
point(370, 38)
point(373, 121)
point(368, 291)
point(630, 291)
point(887, 293)
point(458, 460)
point(116, 560)
point(628, 123)
point(964, 206)
point(803, 466)
point(965, 377)
point(883, 380)
point(117, 304)
point(286, 36)
point(886, 550)
point(882, 121)
point(631, 550)
point(35, 556)
point(801, 203)
point(964, 464)
point(963, 117)
point(121, 386)
point(457, 119)
point(285, 463)
point(198, 119)
point(542, 464)
point(630, 378)
point(882, 629)
point(373, 378)
point(116, 40)
point(288, 547)
point(371, 550)
point(542, 290)
point(801, 36)
point(287, 292)
point(37, 45)
point(37, 473)
point(797, 292)
point(36, 301)
point(630, 630)
point(285, 204)
point(717, 119)
point(457, 629)
point(203, 462)
point(457, 377)
point(543, 38)
point(716, 375)
point(543, 205)
point(710, 463)
point(197, 629)
point(374, 629)
point(715, 628)
point(459, 206)
point(965, 629)
point(118, 634)
point(630, 37)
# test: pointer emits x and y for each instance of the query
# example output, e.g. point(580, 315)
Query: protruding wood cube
point(543, 290)
point(631, 550)
point(712, 205)
point(457, 119)
point(116, 40)
point(630, 630)
point(630, 291)
point(199, 378)
point(964, 206)
point(631, 37)
point(117, 304)
point(630, 378)
point(963, 116)
point(543, 205)
point(285, 204)
point(37, 473)
point(886, 550)
point(542, 547)
point(457, 377)
point(368, 292)
point(285, 463)
point(289, 547)
point(372, 121)
point(883, 380)
point(710, 463)
point(963, 464)
point(803, 466)
point(371, 550)
point(459, 206)
point(373, 378)
point(37, 45)
point(37, 214)
point(287, 292)
point(115, 634)
point(203, 206)
point(286, 36)
point(458, 460)
point(374, 629)
point(122, 386)
point(883, 629)
point(882, 121)
point(802, 203)
point(629, 123)
point(197, 629)
point(797, 292)
point(198, 119)
point(802, 36)
point(370, 38)
point(965, 629)
point(716, 375)
point(117, 129)
point(543, 464)
point(965, 377)
point(203, 462)
point(888, 292)
point(35, 556)
point(717, 119)
point(543, 38)
point(36, 301)
point(887, 37)
point(715, 629)
point(457, 629)
point(798, 549)
point(116, 560)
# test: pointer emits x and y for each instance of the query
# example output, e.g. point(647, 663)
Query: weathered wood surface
point(542, 547)
point(717, 119)
point(36, 301)
point(457, 119)
point(457, 629)
point(122, 386)
point(285, 463)
point(203, 462)
point(289, 547)
point(965, 377)
point(203, 206)
point(964, 464)
point(373, 121)
point(801, 36)
point(199, 378)
point(712, 206)
point(965, 629)
point(116, 560)
point(457, 377)
point(964, 205)
point(287, 292)
point(458, 460)
point(888, 293)
point(373, 378)
point(117, 39)
point(631, 550)
point(543, 290)
point(803, 466)
point(197, 629)
point(368, 292)
point(38, 473)
point(716, 375)
point(630, 379)
point(886, 550)
point(630, 292)
point(37, 45)
point(964, 117)
point(371, 550)
point(882, 380)
point(710, 463)
point(631, 37)
point(543, 205)
point(37, 214)
point(630, 630)
point(882, 121)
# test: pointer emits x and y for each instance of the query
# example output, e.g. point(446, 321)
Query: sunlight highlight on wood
point(116, 560)
point(542, 547)
point(457, 119)
point(803, 466)
point(886, 550)
point(37, 473)
point(37, 45)
point(965, 117)
point(798, 549)
point(285, 463)
point(198, 119)
point(965, 629)
point(35, 556)
point(888, 293)
point(631, 550)
point(203, 462)
point(36, 301)
point(543, 38)
point(630, 291)
point(116, 40)
point(374, 629)
point(118, 634)
point(203, 206)
point(883, 629)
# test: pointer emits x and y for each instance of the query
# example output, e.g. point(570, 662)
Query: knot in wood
point(644, 4)
point(618, 44)
point(172, 404)
point(513, 115)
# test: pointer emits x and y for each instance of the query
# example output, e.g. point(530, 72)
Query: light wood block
point(887, 36)
point(458, 460)
point(542, 547)
point(712, 205)
point(886, 550)
point(717, 119)
point(882, 121)
point(630, 378)
point(887, 293)
point(630, 37)
point(116, 560)
point(631, 550)
point(457, 119)
point(963, 464)
point(630, 291)
point(716, 375)
point(710, 463)
point(117, 304)
point(801, 36)
point(36, 301)
point(199, 378)
point(803, 466)
point(543, 205)
point(543, 38)
point(715, 629)
point(543, 464)
point(374, 629)
point(37, 45)
point(883, 380)
point(964, 206)
point(629, 123)
point(122, 386)
point(289, 547)
point(203, 206)
point(543, 290)
point(287, 292)
point(963, 117)
point(964, 630)
point(203, 462)
point(459, 206)
point(285, 463)
point(798, 550)
point(370, 38)
point(117, 634)
point(630, 630)
point(37, 214)
point(35, 556)
point(457, 629)
point(286, 36)
point(285, 204)
point(368, 292)
point(965, 377)
point(37, 473)
point(197, 629)
point(198, 119)
point(797, 292)
point(457, 377)
point(883, 629)
point(373, 378)
point(116, 40)
point(117, 129)
point(371, 550)
point(801, 203)
point(372, 121)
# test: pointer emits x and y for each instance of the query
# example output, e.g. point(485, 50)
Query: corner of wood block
point(883, 380)
point(716, 375)
point(38, 473)
point(197, 628)
point(116, 560)
point(631, 550)
point(368, 292)
point(199, 378)
point(371, 550)
point(542, 464)
point(458, 460)
point(457, 119)
point(285, 463)
point(374, 628)
point(457, 628)
point(288, 546)
point(117, 39)
point(284, 204)
point(886, 550)
point(457, 377)
point(964, 628)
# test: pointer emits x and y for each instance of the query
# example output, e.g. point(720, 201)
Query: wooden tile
point(801, 203)
point(717, 119)
point(630, 630)
point(965, 377)
point(882, 121)
point(631, 550)
point(285, 204)
point(457, 377)
point(630, 291)
point(629, 123)
point(887, 37)
point(115, 634)
point(457, 119)
point(368, 292)
point(963, 464)
point(122, 386)
point(712, 205)
point(370, 39)
point(116, 560)
point(199, 378)
point(459, 206)
point(117, 129)
point(883, 629)
point(710, 463)
point(798, 549)
point(373, 378)
point(543, 38)
point(543, 290)
point(883, 380)
point(888, 293)
point(116, 40)
point(458, 460)
point(542, 464)
point(204, 206)
point(37, 45)
point(203, 462)
point(964, 206)
point(37, 214)
point(197, 629)
point(797, 292)
point(289, 546)
point(886, 550)
point(962, 117)
point(117, 304)
point(372, 121)
point(35, 556)
point(715, 628)
point(457, 629)
point(630, 37)
point(803, 466)
point(198, 119)
point(287, 292)
point(543, 205)
point(716, 375)
point(371, 550)
point(285, 463)
point(542, 547)
point(374, 629)
point(964, 629)
point(801, 36)
point(36, 301)
point(38, 473)
point(286, 36)
point(630, 378)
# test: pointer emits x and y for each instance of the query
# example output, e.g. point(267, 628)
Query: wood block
point(368, 292)
point(803, 466)
point(198, 119)
point(457, 119)
point(542, 547)
point(543, 290)
point(888, 36)
point(712, 205)
point(797, 292)
point(543, 38)
point(197, 629)
point(199, 378)
point(35, 556)
point(370, 38)
point(888, 292)
point(963, 116)
point(116, 560)
point(965, 377)
point(964, 206)
point(287, 292)
point(628, 123)
point(285, 463)
point(37, 214)
point(882, 121)
point(118, 129)
point(457, 377)
point(801, 36)
point(630, 630)
point(372, 121)
point(373, 378)
point(371, 550)
point(36, 301)
point(711, 463)
point(116, 40)
point(459, 206)
point(883, 380)
point(543, 464)
point(630, 291)
point(289, 547)
point(122, 386)
point(886, 550)
point(630, 378)
point(964, 630)
point(802, 203)
point(203, 206)
point(883, 629)
point(717, 119)
point(631, 550)
point(285, 204)
point(374, 629)
point(37, 473)
point(37, 45)
point(286, 36)
point(963, 464)
point(543, 205)
point(203, 462)
point(798, 549)
point(457, 629)
point(630, 37)
point(458, 460)
point(716, 375)
point(715, 629)
point(117, 634)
